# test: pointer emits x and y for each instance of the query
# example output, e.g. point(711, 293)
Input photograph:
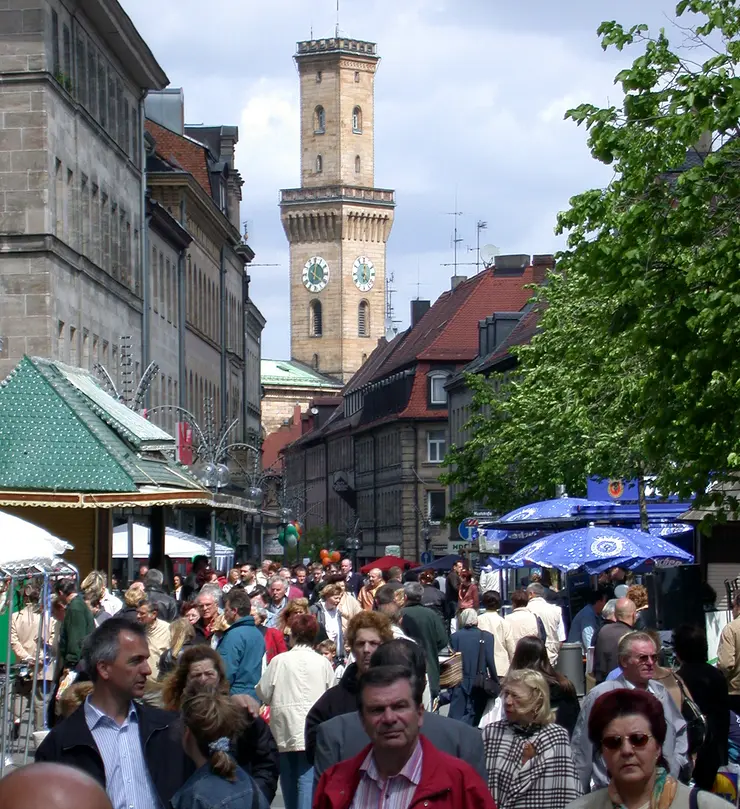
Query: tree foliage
point(636, 369)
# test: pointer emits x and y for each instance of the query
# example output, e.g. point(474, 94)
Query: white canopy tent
point(177, 545)
point(22, 541)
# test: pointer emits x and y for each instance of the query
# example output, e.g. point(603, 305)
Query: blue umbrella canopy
point(596, 547)
point(560, 509)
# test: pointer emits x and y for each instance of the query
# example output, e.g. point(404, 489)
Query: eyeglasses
point(636, 740)
point(646, 658)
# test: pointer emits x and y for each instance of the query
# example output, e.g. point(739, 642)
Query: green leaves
point(636, 368)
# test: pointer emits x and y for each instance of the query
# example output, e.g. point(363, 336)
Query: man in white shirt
point(552, 618)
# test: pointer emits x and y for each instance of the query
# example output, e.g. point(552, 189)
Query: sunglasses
point(636, 740)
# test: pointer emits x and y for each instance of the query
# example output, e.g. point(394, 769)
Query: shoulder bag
point(483, 685)
point(696, 723)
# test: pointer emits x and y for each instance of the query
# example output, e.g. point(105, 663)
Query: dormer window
point(437, 392)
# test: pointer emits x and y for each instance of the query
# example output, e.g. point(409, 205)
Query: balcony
point(342, 193)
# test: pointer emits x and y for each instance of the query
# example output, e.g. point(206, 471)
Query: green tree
point(636, 369)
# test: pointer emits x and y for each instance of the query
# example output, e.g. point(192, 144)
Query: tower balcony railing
point(330, 193)
point(310, 46)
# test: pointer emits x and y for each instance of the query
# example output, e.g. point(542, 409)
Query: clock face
point(363, 273)
point(315, 274)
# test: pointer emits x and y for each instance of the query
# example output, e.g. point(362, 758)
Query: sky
point(469, 104)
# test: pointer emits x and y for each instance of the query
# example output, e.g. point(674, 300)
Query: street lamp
point(214, 476)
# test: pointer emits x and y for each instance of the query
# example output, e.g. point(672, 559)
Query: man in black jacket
point(343, 736)
point(154, 588)
point(116, 657)
point(365, 632)
point(606, 651)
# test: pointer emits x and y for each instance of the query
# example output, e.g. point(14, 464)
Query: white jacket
point(291, 685)
point(523, 624)
point(504, 646)
point(552, 618)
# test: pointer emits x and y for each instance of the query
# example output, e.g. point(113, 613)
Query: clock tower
point(337, 222)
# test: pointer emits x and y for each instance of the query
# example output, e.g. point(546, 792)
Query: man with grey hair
point(208, 601)
point(133, 750)
point(155, 593)
point(424, 625)
point(552, 618)
point(606, 649)
point(277, 590)
point(637, 659)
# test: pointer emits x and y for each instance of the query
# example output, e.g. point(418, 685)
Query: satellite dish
point(488, 254)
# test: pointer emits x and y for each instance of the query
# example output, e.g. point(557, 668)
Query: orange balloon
point(325, 561)
point(323, 553)
point(336, 556)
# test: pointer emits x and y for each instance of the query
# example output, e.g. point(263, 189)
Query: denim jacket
point(206, 790)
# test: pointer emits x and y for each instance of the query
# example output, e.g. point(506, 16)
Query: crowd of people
point(214, 690)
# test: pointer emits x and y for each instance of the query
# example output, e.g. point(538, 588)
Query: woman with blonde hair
point(298, 606)
point(528, 757)
point(211, 722)
point(182, 635)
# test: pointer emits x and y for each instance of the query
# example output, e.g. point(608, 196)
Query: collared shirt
point(396, 792)
point(583, 627)
point(273, 612)
point(127, 779)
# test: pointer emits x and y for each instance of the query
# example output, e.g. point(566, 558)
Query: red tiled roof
point(183, 152)
point(418, 406)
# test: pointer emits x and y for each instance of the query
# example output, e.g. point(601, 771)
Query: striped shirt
point(127, 779)
point(395, 792)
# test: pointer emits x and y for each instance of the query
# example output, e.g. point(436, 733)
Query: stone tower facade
point(337, 222)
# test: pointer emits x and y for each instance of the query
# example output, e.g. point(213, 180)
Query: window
point(363, 319)
point(92, 82)
point(318, 77)
point(357, 164)
point(112, 106)
point(435, 507)
point(102, 97)
point(67, 57)
point(314, 319)
point(315, 362)
point(81, 86)
point(357, 120)
point(55, 65)
point(319, 164)
point(357, 75)
point(437, 392)
point(319, 124)
point(436, 446)
point(135, 135)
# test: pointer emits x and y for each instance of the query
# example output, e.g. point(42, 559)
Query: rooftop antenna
point(390, 328)
point(336, 32)
point(418, 283)
point(480, 225)
point(455, 239)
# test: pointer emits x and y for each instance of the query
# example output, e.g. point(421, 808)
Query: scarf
point(664, 791)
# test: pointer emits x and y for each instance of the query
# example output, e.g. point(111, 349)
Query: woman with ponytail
point(211, 722)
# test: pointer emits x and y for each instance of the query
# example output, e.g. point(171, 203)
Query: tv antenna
point(336, 30)
point(455, 239)
point(419, 282)
point(390, 322)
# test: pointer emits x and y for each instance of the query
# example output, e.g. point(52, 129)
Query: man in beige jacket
point(24, 641)
point(491, 621)
point(728, 654)
point(552, 618)
point(157, 634)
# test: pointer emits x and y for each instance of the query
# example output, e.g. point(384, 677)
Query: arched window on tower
point(319, 164)
point(315, 362)
point(319, 124)
point(357, 120)
point(357, 164)
point(363, 319)
point(314, 319)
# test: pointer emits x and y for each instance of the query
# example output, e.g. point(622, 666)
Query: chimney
point(541, 265)
point(456, 280)
point(418, 309)
point(511, 265)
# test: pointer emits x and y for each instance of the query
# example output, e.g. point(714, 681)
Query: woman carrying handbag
point(470, 697)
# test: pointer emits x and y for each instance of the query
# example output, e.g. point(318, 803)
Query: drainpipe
point(224, 381)
point(245, 351)
point(182, 312)
point(144, 242)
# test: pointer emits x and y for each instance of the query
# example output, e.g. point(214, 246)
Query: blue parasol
point(562, 509)
point(596, 547)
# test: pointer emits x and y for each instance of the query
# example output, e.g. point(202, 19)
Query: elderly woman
point(629, 727)
point(476, 646)
point(290, 686)
point(329, 616)
point(531, 653)
point(298, 606)
point(490, 621)
point(254, 749)
point(528, 757)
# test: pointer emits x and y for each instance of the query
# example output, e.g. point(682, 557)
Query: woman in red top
point(468, 593)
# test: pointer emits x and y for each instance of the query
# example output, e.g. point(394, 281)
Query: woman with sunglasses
point(628, 726)
point(528, 757)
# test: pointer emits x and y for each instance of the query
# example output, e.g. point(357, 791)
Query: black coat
point(342, 698)
point(71, 743)
point(257, 753)
point(354, 583)
point(434, 598)
point(708, 688)
point(566, 706)
point(167, 608)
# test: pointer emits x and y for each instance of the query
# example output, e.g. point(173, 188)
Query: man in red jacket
point(399, 768)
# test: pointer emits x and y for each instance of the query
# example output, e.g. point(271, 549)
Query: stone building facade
point(72, 202)
point(337, 223)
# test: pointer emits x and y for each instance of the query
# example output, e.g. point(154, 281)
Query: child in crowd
point(329, 649)
point(211, 721)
